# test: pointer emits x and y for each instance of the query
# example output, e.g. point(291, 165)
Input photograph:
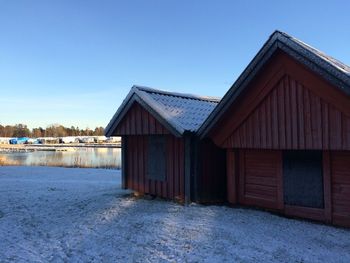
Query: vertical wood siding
point(138, 121)
point(292, 117)
point(260, 178)
point(173, 185)
point(340, 172)
point(286, 106)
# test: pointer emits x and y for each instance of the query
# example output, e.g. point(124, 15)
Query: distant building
point(5, 140)
point(100, 139)
point(48, 140)
point(87, 139)
point(67, 139)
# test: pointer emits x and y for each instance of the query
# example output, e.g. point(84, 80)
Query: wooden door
point(260, 179)
point(340, 172)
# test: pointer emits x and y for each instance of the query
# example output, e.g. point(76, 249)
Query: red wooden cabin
point(285, 125)
point(161, 155)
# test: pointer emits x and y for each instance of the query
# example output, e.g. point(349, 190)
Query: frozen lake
point(68, 157)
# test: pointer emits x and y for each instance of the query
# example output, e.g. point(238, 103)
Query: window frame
point(156, 158)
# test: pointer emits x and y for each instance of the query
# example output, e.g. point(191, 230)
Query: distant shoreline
point(53, 147)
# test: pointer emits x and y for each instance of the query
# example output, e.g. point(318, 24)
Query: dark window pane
point(303, 178)
point(156, 164)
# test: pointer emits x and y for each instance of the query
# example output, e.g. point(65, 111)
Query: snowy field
point(82, 215)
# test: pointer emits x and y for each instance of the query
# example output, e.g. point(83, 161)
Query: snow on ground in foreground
point(82, 215)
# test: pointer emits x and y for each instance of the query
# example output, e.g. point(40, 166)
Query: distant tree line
point(54, 130)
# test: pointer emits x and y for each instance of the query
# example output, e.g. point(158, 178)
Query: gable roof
point(178, 112)
point(328, 67)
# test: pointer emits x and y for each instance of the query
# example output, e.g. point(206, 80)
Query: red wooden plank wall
point(292, 117)
point(340, 170)
point(138, 121)
point(260, 178)
point(231, 176)
point(261, 184)
point(173, 186)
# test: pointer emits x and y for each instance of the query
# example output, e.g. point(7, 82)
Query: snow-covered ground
point(82, 215)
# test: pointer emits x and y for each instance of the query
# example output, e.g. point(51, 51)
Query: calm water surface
point(73, 157)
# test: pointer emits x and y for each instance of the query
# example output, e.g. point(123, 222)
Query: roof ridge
point(178, 94)
point(321, 54)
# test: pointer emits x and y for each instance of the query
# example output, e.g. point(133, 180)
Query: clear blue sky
point(73, 62)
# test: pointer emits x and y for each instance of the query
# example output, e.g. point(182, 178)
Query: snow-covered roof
point(177, 111)
point(328, 67)
point(332, 61)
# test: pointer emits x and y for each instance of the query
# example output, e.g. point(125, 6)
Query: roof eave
point(112, 123)
point(251, 70)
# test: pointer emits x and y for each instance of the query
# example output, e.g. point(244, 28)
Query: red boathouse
point(161, 155)
point(285, 125)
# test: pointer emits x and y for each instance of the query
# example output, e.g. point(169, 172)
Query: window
point(156, 158)
point(303, 178)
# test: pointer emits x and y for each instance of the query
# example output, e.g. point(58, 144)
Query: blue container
point(22, 140)
point(13, 141)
